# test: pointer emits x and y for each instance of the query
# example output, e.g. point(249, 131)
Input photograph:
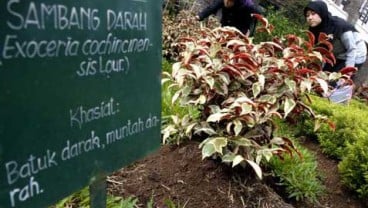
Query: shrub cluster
point(348, 143)
point(299, 176)
point(240, 87)
point(182, 25)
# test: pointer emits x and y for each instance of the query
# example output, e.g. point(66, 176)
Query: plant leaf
point(237, 160)
point(216, 117)
point(219, 143)
point(323, 85)
point(238, 127)
point(305, 85)
point(213, 145)
point(256, 168)
point(207, 130)
point(288, 106)
point(207, 150)
point(242, 141)
point(228, 158)
point(210, 81)
point(245, 109)
point(291, 85)
point(256, 88)
point(261, 80)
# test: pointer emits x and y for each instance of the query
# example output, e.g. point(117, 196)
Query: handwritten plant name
point(59, 17)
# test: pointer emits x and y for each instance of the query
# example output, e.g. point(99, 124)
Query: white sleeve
point(348, 40)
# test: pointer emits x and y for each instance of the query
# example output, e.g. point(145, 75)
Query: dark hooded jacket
point(348, 48)
point(331, 25)
point(238, 16)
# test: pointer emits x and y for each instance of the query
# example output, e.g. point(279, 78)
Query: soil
point(178, 174)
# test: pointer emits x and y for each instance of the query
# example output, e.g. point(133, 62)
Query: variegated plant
point(241, 87)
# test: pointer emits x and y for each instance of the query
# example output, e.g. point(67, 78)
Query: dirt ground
point(177, 173)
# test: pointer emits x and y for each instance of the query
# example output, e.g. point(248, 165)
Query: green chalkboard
point(79, 93)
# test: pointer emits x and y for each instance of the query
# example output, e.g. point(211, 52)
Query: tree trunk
point(361, 76)
point(353, 10)
point(338, 2)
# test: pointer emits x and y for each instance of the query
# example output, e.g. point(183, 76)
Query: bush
point(354, 167)
point(283, 26)
point(348, 143)
point(174, 116)
point(350, 125)
point(293, 9)
point(239, 87)
point(297, 175)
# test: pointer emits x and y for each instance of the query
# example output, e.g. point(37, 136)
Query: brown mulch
point(177, 173)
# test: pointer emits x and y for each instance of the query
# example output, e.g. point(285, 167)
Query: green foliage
point(291, 9)
point(175, 117)
point(170, 204)
point(283, 25)
point(166, 66)
point(129, 202)
point(354, 167)
point(294, 10)
point(173, 7)
point(81, 199)
point(178, 129)
point(168, 107)
point(298, 175)
point(350, 125)
point(349, 141)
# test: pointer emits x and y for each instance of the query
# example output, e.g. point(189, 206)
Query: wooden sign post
point(80, 94)
point(97, 193)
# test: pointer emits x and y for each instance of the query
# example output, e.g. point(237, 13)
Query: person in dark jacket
point(349, 48)
point(235, 13)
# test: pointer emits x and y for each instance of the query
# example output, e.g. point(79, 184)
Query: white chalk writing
point(60, 17)
point(131, 128)
point(21, 176)
point(72, 150)
point(27, 169)
point(98, 42)
point(31, 189)
point(82, 115)
point(126, 20)
point(32, 166)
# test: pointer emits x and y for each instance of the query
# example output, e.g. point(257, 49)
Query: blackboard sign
point(79, 93)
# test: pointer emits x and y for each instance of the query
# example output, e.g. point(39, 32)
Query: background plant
point(181, 25)
point(283, 25)
point(291, 9)
point(175, 118)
